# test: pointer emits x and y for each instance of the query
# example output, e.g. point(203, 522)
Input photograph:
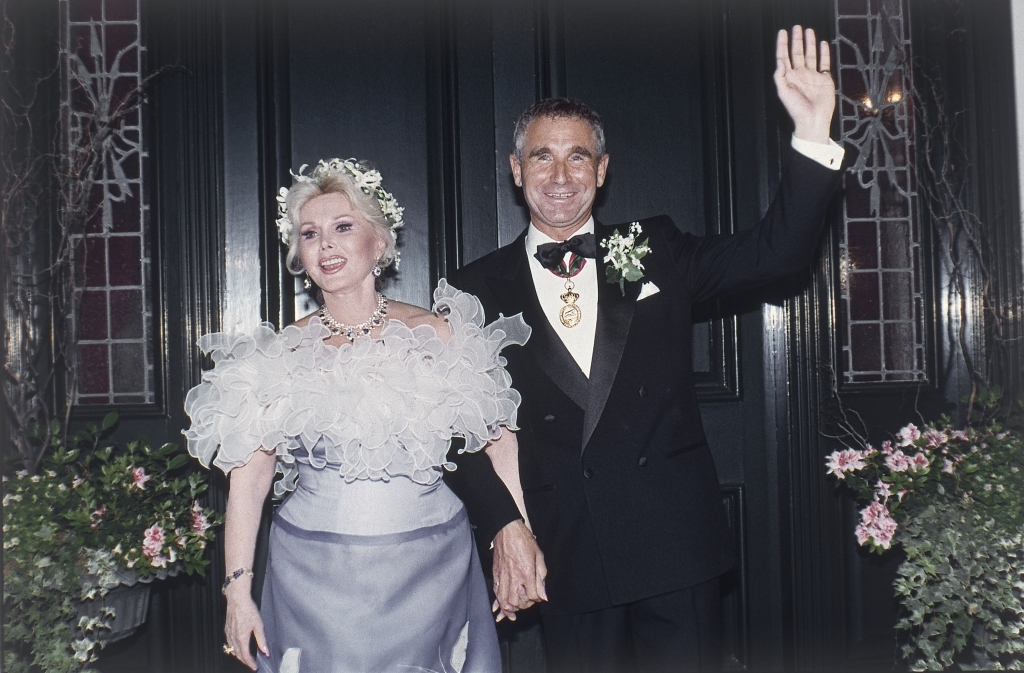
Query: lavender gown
point(372, 565)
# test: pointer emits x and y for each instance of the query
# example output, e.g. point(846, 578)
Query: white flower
point(898, 461)
point(624, 254)
point(369, 181)
point(908, 435)
point(839, 463)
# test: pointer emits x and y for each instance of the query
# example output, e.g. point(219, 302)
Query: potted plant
point(953, 501)
point(98, 518)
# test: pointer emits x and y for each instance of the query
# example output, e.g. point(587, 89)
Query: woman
point(371, 564)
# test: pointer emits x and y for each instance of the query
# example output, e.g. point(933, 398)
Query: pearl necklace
point(350, 332)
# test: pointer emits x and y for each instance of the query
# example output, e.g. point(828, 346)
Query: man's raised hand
point(805, 84)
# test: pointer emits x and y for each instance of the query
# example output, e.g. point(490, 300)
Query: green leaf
point(176, 462)
point(110, 420)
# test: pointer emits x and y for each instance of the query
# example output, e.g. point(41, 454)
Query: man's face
point(560, 173)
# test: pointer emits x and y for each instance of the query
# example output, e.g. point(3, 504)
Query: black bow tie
point(551, 255)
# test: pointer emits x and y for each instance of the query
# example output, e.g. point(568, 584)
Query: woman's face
point(337, 245)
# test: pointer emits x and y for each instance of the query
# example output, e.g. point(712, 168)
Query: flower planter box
point(130, 604)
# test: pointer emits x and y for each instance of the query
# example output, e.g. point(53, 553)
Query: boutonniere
point(624, 255)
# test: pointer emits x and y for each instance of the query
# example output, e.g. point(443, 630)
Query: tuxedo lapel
point(614, 315)
point(512, 285)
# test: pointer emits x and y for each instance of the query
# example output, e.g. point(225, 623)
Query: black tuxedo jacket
point(618, 479)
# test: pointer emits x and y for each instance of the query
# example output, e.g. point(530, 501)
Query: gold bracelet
point(234, 576)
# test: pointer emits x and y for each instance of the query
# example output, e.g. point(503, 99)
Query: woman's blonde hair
point(365, 204)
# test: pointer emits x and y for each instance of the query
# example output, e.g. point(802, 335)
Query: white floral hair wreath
point(367, 179)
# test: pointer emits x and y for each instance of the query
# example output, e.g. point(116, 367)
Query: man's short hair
point(558, 108)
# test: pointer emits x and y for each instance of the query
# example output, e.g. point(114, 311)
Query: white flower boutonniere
point(624, 255)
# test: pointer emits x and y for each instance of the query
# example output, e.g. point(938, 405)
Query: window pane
point(113, 319)
point(880, 285)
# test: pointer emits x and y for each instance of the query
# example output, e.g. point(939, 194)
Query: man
point(617, 480)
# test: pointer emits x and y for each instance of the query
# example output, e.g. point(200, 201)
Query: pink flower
point(876, 525)
point(199, 522)
point(153, 542)
point(140, 477)
point(919, 462)
point(887, 448)
point(898, 461)
point(100, 512)
point(863, 534)
point(869, 451)
point(883, 490)
point(76, 482)
point(159, 561)
point(841, 462)
point(936, 437)
point(947, 466)
point(908, 435)
point(960, 435)
point(884, 534)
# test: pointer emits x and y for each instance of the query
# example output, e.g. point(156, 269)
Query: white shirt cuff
point(830, 155)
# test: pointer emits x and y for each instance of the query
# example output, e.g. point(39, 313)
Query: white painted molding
point(1017, 12)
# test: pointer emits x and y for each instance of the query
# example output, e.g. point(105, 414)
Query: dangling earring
point(377, 270)
point(306, 283)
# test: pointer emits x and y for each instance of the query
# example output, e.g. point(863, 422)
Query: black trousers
point(677, 631)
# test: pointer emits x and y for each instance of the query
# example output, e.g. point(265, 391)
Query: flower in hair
point(367, 179)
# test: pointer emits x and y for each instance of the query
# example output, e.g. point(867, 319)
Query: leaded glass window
point(113, 315)
point(881, 295)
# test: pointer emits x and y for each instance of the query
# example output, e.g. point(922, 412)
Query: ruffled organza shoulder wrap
point(373, 408)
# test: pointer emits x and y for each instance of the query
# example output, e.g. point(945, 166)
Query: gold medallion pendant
point(570, 314)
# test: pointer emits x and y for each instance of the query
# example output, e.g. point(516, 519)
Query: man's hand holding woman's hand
point(519, 571)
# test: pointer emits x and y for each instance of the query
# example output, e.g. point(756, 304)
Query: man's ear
point(517, 170)
point(602, 169)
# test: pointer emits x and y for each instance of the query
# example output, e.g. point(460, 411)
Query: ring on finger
point(228, 650)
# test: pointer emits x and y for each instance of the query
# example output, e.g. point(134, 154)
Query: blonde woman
point(372, 565)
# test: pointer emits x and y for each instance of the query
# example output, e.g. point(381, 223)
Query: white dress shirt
point(579, 340)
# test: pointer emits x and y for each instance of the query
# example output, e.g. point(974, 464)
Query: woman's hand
point(243, 622)
point(249, 485)
point(519, 570)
